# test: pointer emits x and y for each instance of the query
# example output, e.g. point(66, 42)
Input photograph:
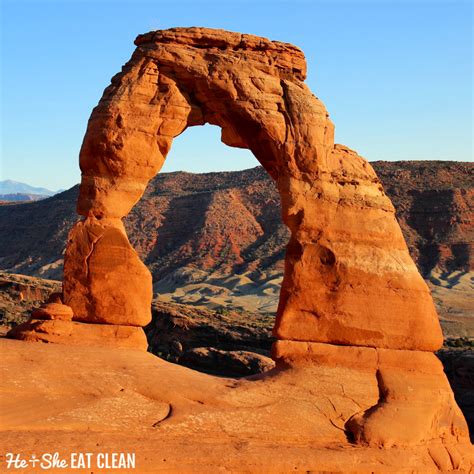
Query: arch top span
point(284, 58)
point(251, 87)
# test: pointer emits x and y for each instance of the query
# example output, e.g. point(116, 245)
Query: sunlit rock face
point(349, 278)
point(351, 294)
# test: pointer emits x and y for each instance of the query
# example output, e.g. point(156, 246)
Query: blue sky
point(396, 76)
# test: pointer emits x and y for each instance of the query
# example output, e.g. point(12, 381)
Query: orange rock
point(349, 278)
point(415, 403)
point(104, 279)
point(80, 334)
point(290, 419)
point(53, 311)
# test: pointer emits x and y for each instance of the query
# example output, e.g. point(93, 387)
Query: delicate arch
point(349, 278)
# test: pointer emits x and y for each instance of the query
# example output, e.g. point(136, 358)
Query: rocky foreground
point(178, 420)
point(100, 400)
point(227, 343)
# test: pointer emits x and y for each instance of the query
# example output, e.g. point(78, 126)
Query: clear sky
point(396, 76)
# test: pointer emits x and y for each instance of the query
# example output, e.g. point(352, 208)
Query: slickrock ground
point(179, 420)
point(190, 336)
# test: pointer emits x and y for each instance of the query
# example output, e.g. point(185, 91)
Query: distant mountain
point(20, 197)
point(9, 187)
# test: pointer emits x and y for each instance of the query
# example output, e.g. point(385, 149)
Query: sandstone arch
point(349, 277)
point(351, 294)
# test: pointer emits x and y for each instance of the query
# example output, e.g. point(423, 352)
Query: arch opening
point(199, 149)
point(331, 199)
point(215, 245)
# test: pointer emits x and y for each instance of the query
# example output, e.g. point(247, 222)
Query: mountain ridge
point(9, 186)
point(230, 221)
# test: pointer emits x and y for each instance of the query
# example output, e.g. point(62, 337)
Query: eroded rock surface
point(290, 419)
point(178, 329)
point(111, 284)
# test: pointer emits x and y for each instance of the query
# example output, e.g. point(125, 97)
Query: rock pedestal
point(53, 322)
point(350, 286)
point(415, 404)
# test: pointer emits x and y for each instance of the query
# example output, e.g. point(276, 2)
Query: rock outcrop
point(176, 329)
point(19, 294)
point(234, 363)
point(351, 296)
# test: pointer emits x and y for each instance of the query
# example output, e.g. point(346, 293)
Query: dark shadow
point(459, 368)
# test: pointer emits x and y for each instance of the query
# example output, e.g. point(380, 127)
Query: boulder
point(105, 281)
point(227, 363)
point(53, 311)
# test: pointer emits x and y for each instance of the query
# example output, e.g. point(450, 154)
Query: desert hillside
point(230, 221)
point(217, 240)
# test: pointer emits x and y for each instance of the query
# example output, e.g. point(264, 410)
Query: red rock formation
point(111, 284)
point(53, 311)
point(350, 285)
point(349, 278)
point(80, 334)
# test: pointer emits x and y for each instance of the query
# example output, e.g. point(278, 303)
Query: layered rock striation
point(346, 244)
